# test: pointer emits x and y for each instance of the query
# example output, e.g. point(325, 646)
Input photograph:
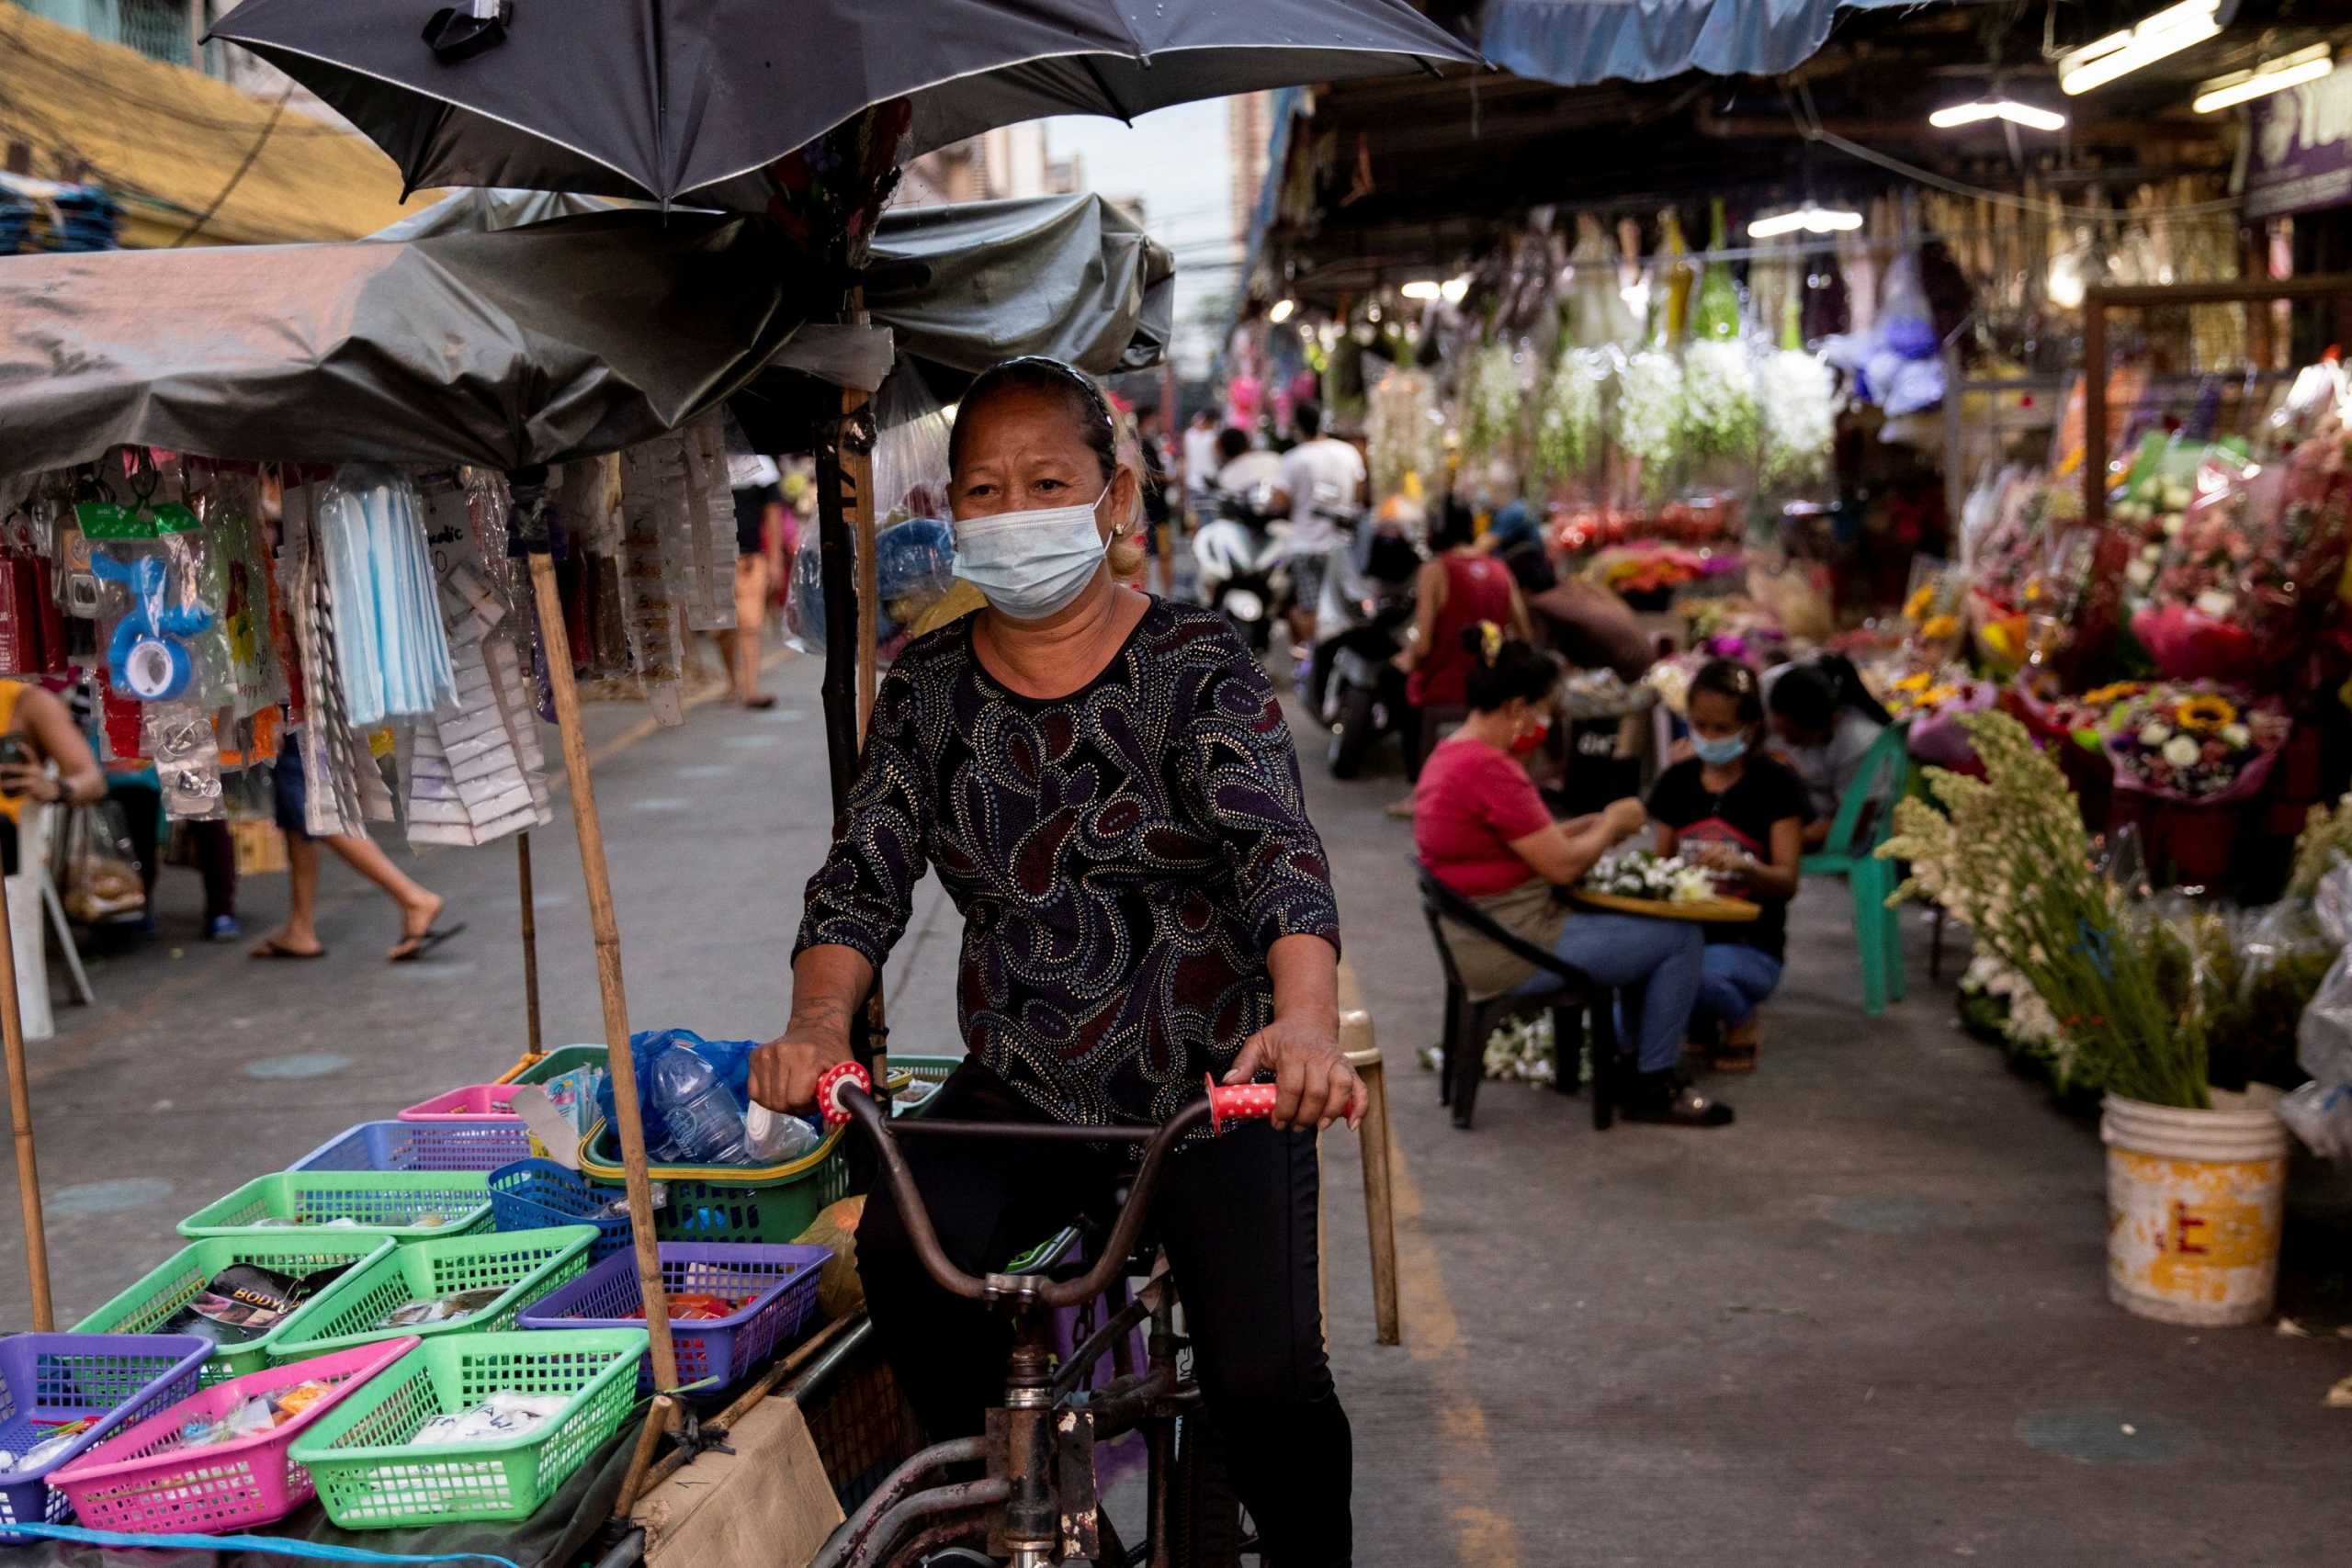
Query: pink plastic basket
point(143, 1480)
point(471, 1103)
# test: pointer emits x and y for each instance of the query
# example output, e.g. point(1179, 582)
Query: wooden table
point(1706, 911)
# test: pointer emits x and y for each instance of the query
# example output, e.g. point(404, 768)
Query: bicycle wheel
point(1207, 1509)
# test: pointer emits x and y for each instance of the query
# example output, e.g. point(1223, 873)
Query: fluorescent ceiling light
point(2168, 32)
point(1420, 288)
point(2270, 76)
point(1281, 310)
point(1452, 291)
point(1810, 219)
point(2027, 115)
point(1454, 288)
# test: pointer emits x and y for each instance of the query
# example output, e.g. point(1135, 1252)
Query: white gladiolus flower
point(2181, 752)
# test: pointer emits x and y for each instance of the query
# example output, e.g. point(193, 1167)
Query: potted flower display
point(2195, 1177)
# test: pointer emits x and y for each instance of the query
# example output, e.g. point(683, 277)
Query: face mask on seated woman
point(1030, 564)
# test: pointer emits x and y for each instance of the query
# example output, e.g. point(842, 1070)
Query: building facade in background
point(1248, 121)
point(1008, 162)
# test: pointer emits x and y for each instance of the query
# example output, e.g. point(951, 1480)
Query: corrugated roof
point(165, 141)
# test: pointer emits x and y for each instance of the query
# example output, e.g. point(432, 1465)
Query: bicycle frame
point(1039, 1502)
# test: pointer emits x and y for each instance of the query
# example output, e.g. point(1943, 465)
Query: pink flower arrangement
point(2193, 741)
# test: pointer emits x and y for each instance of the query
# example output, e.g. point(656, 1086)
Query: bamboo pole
point(20, 1122)
point(531, 1036)
point(618, 1062)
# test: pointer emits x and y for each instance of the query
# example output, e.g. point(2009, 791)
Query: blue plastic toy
point(149, 657)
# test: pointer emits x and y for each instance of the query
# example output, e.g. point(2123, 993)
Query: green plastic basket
point(146, 1306)
point(555, 1064)
point(370, 1476)
point(926, 1073)
point(523, 1265)
point(720, 1202)
point(397, 1203)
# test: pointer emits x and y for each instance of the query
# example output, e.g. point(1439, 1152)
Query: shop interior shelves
point(49, 1381)
point(404, 1205)
point(475, 1145)
point(148, 1481)
point(521, 1266)
point(160, 1294)
point(372, 1475)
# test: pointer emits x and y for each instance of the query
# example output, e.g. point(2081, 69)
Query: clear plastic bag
point(2323, 1039)
point(2321, 1115)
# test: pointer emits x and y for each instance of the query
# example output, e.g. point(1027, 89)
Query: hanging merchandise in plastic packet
point(393, 654)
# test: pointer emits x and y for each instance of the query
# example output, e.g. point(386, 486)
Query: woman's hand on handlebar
point(1314, 1084)
point(785, 1072)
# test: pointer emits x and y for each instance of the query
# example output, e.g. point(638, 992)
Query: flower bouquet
point(1932, 610)
point(2259, 550)
point(2055, 714)
point(1641, 873)
point(1935, 703)
point(1648, 573)
point(2197, 743)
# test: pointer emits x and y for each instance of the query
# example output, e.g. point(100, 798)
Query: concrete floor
point(1865, 1325)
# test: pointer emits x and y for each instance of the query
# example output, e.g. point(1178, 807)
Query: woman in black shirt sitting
point(1738, 812)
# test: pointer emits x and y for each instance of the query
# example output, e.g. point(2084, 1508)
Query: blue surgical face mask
point(1721, 751)
point(1030, 564)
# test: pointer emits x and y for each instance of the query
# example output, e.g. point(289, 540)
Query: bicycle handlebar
point(845, 1095)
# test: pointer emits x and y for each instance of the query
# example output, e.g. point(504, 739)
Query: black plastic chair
point(1467, 1023)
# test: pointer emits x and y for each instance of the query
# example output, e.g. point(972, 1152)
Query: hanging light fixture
point(2270, 76)
point(1281, 310)
point(1953, 115)
point(2167, 32)
point(1810, 219)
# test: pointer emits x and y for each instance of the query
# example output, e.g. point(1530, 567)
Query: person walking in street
point(1480, 827)
point(420, 907)
point(1461, 587)
point(1741, 814)
point(1105, 785)
point(1318, 475)
point(759, 526)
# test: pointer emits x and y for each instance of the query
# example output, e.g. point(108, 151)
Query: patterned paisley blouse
point(1124, 856)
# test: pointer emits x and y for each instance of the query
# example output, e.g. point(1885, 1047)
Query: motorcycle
point(1240, 557)
point(1354, 686)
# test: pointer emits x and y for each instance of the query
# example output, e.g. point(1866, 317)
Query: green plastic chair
point(1885, 773)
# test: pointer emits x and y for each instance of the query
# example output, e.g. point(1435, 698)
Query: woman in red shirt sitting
point(1483, 830)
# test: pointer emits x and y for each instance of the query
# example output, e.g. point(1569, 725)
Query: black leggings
point(1237, 1218)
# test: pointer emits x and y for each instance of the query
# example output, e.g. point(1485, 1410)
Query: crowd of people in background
point(1762, 763)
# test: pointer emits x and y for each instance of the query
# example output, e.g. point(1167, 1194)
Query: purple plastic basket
point(728, 1349)
point(483, 1144)
point(48, 1380)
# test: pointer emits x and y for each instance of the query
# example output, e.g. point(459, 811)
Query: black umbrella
point(689, 99)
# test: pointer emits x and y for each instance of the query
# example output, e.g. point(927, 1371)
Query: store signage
point(2302, 149)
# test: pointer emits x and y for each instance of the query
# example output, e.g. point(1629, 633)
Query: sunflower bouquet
point(2193, 742)
point(1936, 704)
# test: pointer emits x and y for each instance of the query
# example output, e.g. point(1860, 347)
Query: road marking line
point(1485, 1536)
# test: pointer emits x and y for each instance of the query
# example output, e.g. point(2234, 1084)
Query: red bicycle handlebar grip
point(1239, 1102)
point(828, 1090)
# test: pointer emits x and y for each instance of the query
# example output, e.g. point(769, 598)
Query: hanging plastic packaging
point(145, 624)
point(391, 652)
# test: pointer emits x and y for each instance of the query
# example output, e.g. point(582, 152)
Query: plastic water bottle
point(772, 1137)
point(704, 1126)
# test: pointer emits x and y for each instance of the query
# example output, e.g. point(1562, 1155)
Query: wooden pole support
point(20, 1123)
point(618, 1062)
point(659, 1418)
point(1379, 1203)
point(531, 1046)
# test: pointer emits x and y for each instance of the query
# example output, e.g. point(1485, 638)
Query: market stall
point(1112, 298)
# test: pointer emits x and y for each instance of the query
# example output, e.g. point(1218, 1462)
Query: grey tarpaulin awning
point(560, 340)
point(533, 344)
point(1578, 42)
point(961, 285)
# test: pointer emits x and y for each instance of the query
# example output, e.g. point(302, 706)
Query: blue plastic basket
point(50, 1380)
point(422, 1145)
point(531, 1194)
point(780, 1280)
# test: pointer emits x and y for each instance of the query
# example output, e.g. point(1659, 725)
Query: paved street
point(1865, 1325)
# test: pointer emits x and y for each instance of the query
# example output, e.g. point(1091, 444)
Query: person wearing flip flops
point(420, 907)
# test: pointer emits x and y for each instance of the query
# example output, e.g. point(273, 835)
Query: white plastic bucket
point(2194, 1199)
